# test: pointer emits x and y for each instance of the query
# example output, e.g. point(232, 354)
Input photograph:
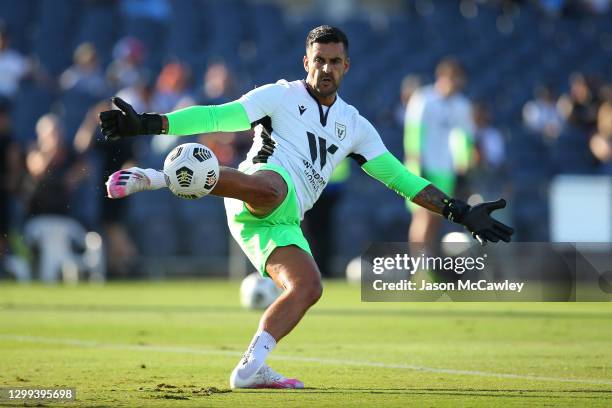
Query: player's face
point(326, 65)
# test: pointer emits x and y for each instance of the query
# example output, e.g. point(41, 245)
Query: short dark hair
point(326, 34)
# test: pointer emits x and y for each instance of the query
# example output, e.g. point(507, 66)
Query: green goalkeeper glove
point(117, 124)
point(477, 219)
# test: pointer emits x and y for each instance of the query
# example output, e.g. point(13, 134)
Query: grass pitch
point(174, 344)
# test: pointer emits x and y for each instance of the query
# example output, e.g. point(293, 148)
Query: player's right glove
point(477, 219)
point(117, 124)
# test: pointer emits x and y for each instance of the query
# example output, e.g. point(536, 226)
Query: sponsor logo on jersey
point(340, 131)
point(319, 151)
point(302, 109)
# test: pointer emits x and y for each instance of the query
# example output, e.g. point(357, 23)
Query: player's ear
point(347, 64)
point(306, 63)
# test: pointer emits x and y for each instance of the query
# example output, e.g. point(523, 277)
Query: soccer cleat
point(122, 183)
point(265, 377)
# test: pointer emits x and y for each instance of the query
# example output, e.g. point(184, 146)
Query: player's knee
point(267, 194)
point(311, 292)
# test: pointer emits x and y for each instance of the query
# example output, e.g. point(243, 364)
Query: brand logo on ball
point(177, 153)
point(184, 176)
point(211, 180)
point(201, 154)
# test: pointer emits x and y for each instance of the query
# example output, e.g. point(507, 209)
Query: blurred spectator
point(579, 107)
point(13, 65)
point(219, 85)
point(127, 67)
point(490, 145)
point(601, 142)
point(438, 141)
point(172, 87)
point(121, 250)
point(85, 75)
point(53, 171)
point(541, 116)
point(10, 175)
point(490, 173)
point(410, 84)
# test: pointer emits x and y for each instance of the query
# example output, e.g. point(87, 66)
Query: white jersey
point(305, 138)
point(438, 117)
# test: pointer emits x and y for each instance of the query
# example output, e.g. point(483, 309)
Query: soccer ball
point(257, 292)
point(191, 170)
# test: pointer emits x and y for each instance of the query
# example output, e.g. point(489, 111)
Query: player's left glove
point(477, 219)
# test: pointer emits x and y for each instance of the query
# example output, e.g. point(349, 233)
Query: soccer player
point(303, 129)
point(438, 133)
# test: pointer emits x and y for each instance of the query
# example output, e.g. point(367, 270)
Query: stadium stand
point(508, 50)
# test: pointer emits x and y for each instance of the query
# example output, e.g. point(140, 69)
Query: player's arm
point(126, 122)
point(477, 219)
point(228, 117)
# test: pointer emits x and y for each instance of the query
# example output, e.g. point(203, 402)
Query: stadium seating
point(506, 56)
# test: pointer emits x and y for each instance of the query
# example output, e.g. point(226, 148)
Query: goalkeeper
point(303, 129)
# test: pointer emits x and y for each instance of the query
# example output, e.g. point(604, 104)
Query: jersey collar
point(322, 116)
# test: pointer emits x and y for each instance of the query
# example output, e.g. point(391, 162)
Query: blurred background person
point(13, 65)
point(121, 250)
point(53, 175)
point(127, 67)
point(172, 87)
point(579, 107)
point(85, 74)
point(540, 115)
point(438, 140)
point(601, 142)
point(489, 177)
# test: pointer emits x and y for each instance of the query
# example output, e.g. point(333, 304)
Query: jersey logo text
point(302, 109)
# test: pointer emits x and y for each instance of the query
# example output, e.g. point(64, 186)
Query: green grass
point(148, 344)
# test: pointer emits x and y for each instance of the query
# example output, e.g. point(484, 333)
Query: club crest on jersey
point(340, 131)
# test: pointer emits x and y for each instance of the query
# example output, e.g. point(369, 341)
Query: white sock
point(262, 344)
point(156, 177)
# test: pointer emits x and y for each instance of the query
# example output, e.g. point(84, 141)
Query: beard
point(325, 89)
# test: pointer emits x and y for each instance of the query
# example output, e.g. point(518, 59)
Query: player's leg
point(296, 271)
point(263, 191)
point(424, 227)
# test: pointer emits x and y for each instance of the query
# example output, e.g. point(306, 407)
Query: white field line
point(324, 361)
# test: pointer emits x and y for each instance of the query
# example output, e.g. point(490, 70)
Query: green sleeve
point(229, 117)
point(388, 170)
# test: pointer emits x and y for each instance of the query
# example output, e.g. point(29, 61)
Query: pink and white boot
point(265, 377)
point(122, 183)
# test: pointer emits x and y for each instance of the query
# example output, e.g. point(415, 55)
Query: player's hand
point(117, 124)
point(478, 220)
